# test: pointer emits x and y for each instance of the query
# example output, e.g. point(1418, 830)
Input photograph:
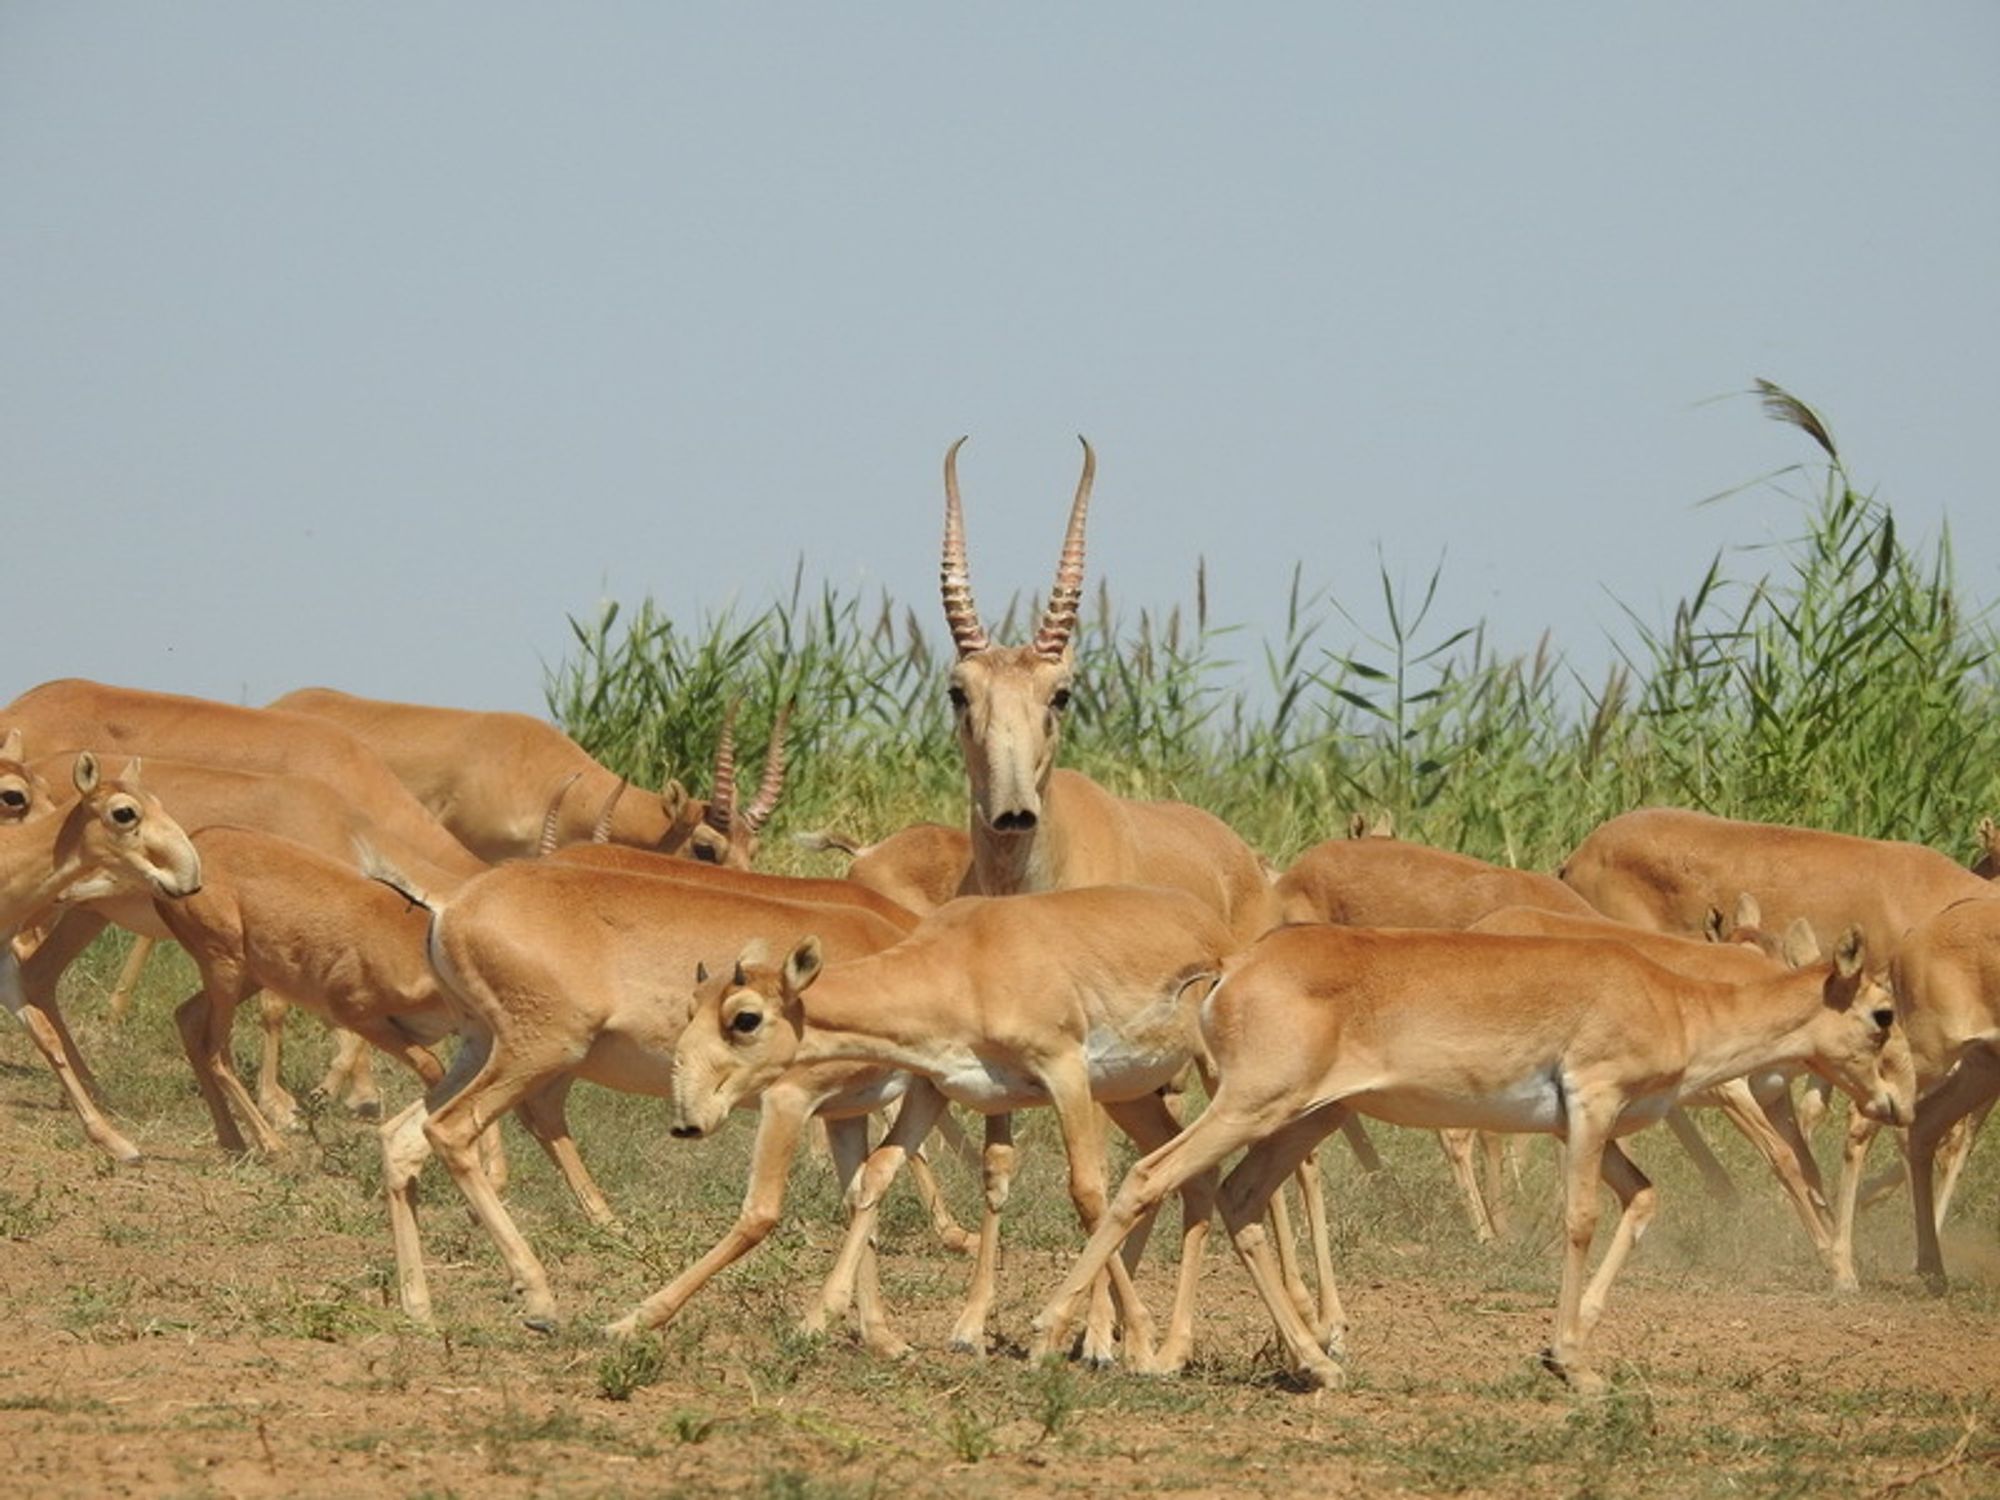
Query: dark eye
point(13, 798)
point(707, 854)
point(745, 1022)
point(1059, 700)
point(124, 815)
point(958, 697)
point(1884, 1018)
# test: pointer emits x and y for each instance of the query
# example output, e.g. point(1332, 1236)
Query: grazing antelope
point(1760, 1104)
point(1057, 997)
point(488, 777)
point(279, 916)
point(1583, 1039)
point(1947, 979)
point(116, 837)
point(565, 971)
point(1666, 867)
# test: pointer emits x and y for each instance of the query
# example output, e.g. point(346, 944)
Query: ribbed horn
point(722, 788)
point(600, 831)
point(772, 783)
point(1059, 619)
point(959, 610)
point(546, 845)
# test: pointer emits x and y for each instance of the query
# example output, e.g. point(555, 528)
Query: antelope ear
point(701, 973)
point(1711, 925)
point(673, 801)
point(1801, 945)
point(130, 775)
point(1848, 953)
point(802, 966)
point(86, 772)
point(1748, 912)
point(1989, 831)
point(1357, 826)
point(10, 749)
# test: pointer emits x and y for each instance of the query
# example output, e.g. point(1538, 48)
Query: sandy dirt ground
point(201, 1326)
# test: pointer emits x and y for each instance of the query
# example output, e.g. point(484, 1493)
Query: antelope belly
point(987, 1087)
point(1124, 1067)
point(1527, 1105)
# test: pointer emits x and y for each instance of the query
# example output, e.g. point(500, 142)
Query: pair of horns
point(721, 812)
point(1058, 623)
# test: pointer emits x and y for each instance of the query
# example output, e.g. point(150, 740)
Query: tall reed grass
point(1836, 679)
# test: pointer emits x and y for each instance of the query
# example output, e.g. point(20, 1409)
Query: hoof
point(891, 1348)
point(539, 1322)
point(1586, 1383)
point(367, 1109)
point(962, 1345)
point(623, 1328)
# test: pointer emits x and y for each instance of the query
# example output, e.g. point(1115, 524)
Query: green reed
point(1835, 679)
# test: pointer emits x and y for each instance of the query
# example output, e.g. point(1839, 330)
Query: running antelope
point(300, 808)
point(1760, 1104)
point(565, 971)
point(1579, 1038)
point(1056, 998)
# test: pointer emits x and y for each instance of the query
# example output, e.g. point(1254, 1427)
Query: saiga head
point(1858, 1044)
point(744, 1031)
point(23, 794)
point(1007, 702)
point(118, 838)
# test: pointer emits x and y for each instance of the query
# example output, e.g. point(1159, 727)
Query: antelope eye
point(13, 797)
point(124, 815)
point(1884, 1018)
point(745, 1021)
point(958, 699)
point(1059, 700)
point(707, 854)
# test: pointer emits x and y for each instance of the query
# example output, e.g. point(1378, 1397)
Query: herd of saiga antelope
point(366, 861)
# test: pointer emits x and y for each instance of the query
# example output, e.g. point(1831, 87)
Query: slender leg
point(1583, 1166)
point(1956, 1148)
point(547, 1120)
point(1714, 1176)
point(128, 977)
point(914, 1118)
point(1971, 1085)
point(205, 1027)
point(1637, 1201)
point(968, 1334)
point(1459, 1146)
point(847, 1143)
point(350, 1077)
point(1314, 1350)
point(1744, 1112)
point(1854, 1155)
point(454, 1128)
point(781, 1119)
point(1356, 1136)
point(405, 1149)
point(274, 1100)
point(1151, 1123)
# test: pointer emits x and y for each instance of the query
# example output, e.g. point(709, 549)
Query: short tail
point(827, 840)
point(377, 867)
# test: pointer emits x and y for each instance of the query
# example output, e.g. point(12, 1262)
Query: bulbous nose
point(1018, 821)
point(684, 1132)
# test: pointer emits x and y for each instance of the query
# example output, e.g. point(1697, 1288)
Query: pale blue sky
point(358, 344)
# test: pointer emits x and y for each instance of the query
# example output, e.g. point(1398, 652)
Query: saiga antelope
point(489, 776)
point(1057, 997)
point(1947, 979)
point(1583, 1039)
point(298, 807)
point(115, 837)
point(566, 971)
